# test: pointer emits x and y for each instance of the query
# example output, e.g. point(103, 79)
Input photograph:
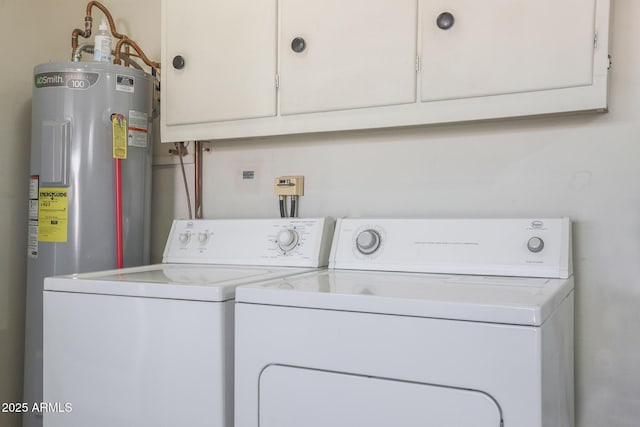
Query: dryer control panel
point(295, 242)
point(497, 247)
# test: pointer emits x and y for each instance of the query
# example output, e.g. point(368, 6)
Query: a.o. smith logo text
point(71, 80)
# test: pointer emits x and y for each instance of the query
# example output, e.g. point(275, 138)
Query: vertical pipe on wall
point(198, 178)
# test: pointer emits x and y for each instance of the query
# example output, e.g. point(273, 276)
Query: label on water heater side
point(32, 242)
point(138, 129)
point(32, 238)
point(125, 83)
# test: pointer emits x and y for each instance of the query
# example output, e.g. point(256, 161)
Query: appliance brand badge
point(537, 224)
point(71, 80)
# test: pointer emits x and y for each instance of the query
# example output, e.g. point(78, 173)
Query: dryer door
point(294, 397)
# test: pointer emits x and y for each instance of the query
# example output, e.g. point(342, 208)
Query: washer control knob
point(287, 239)
point(203, 237)
point(368, 241)
point(184, 238)
point(535, 244)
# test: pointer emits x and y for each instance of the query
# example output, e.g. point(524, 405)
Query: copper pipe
point(127, 41)
point(88, 24)
point(197, 160)
point(86, 33)
point(127, 52)
point(122, 39)
point(107, 14)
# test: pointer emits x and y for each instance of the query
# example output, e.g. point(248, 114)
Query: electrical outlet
point(289, 186)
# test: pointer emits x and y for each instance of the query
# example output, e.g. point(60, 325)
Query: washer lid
point(174, 281)
point(494, 299)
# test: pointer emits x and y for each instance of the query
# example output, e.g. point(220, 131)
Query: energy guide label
point(53, 214)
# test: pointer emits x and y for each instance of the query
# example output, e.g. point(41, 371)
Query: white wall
point(582, 166)
point(14, 144)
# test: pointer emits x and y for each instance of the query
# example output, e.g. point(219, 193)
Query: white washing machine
point(153, 346)
point(441, 323)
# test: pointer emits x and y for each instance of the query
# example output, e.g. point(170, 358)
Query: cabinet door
point(357, 54)
point(229, 51)
point(505, 46)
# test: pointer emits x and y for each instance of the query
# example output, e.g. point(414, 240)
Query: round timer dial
point(368, 241)
point(535, 244)
point(287, 239)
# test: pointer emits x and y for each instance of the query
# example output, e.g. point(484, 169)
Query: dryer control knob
point(368, 241)
point(287, 239)
point(535, 244)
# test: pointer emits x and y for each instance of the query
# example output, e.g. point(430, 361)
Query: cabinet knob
point(298, 44)
point(445, 21)
point(178, 62)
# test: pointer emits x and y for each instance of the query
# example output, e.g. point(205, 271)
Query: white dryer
point(441, 323)
point(153, 346)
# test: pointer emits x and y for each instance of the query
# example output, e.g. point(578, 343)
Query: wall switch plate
point(289, 186)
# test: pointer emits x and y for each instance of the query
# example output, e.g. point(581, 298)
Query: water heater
point(75, 205)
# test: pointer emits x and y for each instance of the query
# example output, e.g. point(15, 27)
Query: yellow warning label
point(119, 125)
point(53, 214)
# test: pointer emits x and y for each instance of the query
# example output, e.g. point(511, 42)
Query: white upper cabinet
point(345, 54)
point(218, 61)
point(248, 68)
point(478, 48)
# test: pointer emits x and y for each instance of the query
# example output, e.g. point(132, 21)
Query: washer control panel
point(500, 247)
point(278, 242)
